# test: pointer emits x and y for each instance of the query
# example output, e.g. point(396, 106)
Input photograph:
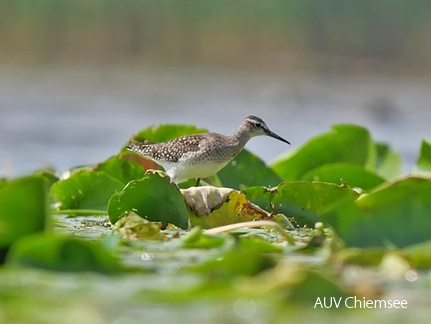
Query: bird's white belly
point(180, 172)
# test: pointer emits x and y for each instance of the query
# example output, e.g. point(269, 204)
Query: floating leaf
point(49, 175)
point(314, 288)
point(395, 213)
point(196, 239)
point(350, 174)
point(418, 255)
point(364, 257)
point(304, 201)
point(60, 253)
point(424, 161)
point(247, 258)
point(132, 226)
point(85, 190)
point(388, 162)
point(23, 208)
point(258, 244)
point(154, 198)
point(3, 181)
point(297, 283)
point(343, 144)
point(121, 169)
point(246, 170)
point(212, 207)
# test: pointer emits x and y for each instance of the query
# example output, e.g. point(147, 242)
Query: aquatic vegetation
point(332, 220)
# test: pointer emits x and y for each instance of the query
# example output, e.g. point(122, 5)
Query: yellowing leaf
point(211, 207)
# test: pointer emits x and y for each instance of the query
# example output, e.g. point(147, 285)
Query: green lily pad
point(350, 174)
point(343, 144)
point(297, 284)
point(301, 200)
point(388, 162)
point(58, 253)
point(23, 208)
point(154, 198)
point(424, 161)
point(396, 213)
point(196, 239)
point(418, 255)
point(249, 257)
point(85, 190)
point(316, 289)
point(121, 169)
point(49, 175)
point(132, 226)
point(363, 257)
point(246, 170)
point(3, 181)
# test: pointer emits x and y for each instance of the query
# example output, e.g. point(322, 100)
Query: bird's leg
point(197, 182)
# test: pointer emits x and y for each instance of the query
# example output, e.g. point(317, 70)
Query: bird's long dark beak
point(274, 135)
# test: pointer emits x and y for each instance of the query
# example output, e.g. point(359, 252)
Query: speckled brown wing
point(170, 151)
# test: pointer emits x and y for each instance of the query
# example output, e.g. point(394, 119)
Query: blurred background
point(78, 77)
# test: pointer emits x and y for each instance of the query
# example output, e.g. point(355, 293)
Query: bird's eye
point(258, 125)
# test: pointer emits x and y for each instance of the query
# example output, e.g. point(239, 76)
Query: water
point(64, 117)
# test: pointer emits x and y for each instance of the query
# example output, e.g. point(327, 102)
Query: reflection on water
point(67, 117)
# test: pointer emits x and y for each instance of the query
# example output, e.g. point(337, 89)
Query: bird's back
point(170, 151)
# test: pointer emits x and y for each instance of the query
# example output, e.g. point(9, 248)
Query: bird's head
point(255, 126)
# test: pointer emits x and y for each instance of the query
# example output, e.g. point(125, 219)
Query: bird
point(201, 155)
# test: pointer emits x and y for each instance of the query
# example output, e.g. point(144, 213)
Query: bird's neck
point(241, 136)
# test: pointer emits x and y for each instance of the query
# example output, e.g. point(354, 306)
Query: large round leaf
point(424, 160)
point(153, 198)
point(397, 213)
point(351, 174)
point(343, 144)
point(23, 208)
point(247, 170)
point(60, 253)
point(122, 169)
point(304, 201)
point(388, 162)
point(85, 190)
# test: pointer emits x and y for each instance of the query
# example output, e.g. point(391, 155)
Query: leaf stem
point(260, 223)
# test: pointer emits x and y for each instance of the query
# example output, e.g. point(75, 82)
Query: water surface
point(63, 117)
